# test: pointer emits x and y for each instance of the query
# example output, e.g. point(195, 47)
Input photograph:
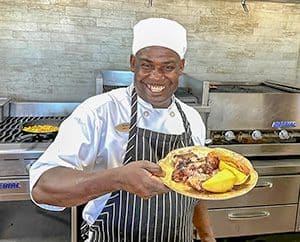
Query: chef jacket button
point(172, 114)
point(146, 113)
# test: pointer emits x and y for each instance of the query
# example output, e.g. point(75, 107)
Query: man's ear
point(181, 66)
point(132, 63)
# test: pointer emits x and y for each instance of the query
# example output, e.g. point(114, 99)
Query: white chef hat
point(159, 32)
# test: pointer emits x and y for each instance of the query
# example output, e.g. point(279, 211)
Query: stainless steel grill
point(18, 151)
point(262, 122)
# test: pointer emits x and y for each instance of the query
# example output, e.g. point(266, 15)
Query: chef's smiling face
point(157, 71)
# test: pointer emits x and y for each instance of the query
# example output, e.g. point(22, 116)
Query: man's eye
point(169, 68)
point(146, 66)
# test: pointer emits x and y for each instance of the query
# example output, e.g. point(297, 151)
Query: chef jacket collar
point(146, 104)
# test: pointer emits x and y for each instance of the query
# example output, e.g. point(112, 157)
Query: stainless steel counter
point(23, 148)
point(270, 150)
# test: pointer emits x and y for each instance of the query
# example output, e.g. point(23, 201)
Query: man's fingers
point(161, 187)
point(154, 169)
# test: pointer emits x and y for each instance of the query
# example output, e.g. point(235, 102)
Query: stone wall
point(51, 49)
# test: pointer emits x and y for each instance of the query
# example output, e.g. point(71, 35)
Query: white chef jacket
point(88, 139)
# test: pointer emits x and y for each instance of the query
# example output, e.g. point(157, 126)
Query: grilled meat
point(193, 169)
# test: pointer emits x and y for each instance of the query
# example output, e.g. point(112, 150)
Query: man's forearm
point(69, 187)
point(202, 223)
point(66, 187)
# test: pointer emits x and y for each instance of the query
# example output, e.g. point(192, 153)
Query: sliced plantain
point(240, 176)
point(221, 182)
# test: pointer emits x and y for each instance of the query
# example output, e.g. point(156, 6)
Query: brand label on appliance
point(284, 124)
point(10, 185)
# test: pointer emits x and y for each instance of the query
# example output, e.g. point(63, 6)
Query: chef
point(105, 154)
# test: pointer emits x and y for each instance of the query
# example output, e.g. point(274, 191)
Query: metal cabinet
point(271, 207)
point(23, 221)
point(253, 220)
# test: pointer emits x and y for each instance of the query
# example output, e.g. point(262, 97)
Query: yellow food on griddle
point(240, 176)
point(41, 129)
point(223, 181)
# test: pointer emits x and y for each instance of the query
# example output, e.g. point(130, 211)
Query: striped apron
point(166, 217)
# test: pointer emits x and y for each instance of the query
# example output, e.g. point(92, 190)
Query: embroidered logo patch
point(123, 127)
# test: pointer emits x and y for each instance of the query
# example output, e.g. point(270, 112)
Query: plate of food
point(208, 173)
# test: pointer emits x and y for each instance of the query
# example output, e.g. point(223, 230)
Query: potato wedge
point(223, 181)
point(240, 177)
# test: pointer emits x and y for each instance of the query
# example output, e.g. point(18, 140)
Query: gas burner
point(35, 138)
point(243, 88)
point(10, 131)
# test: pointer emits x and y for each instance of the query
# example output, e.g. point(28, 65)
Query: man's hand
point(202, 223)
point(142, 179)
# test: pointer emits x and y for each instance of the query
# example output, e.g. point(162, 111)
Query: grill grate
point(244, 89)
point(10, 131)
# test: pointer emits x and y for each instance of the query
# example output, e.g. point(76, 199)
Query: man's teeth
point(155, 88)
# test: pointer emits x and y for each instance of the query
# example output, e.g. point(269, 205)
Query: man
point(105, 153)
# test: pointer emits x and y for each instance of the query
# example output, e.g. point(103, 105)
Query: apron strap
point(188, 132)
point(133, 127)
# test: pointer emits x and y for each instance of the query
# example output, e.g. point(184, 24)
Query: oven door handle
point(247, 216)
point(264, 184)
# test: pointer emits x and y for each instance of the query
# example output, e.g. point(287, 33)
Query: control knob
point(229, 135)
point(256, 135)
point(208, 141)
point(284, 134)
